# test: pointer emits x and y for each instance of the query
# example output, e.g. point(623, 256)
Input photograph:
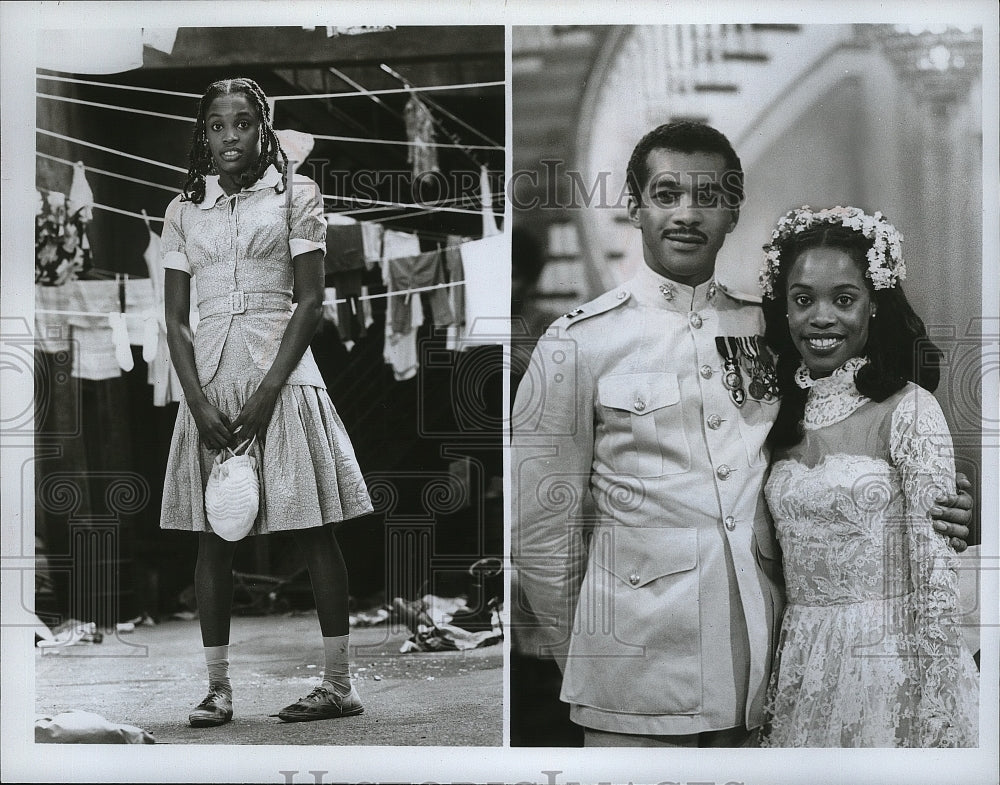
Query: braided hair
point(200, 161)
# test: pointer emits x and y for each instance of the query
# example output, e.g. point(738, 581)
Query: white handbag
point(232, 495)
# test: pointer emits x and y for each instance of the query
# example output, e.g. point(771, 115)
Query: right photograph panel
point(746, 363)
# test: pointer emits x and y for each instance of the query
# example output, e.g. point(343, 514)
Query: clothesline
point(415, 205)
point(387, 206)
point(339, 301)
point(372, 202)
point(111, 150)
point(325, 137)
point(429, 88)
point(130, 109)
point(405, 143)
point(110, 174)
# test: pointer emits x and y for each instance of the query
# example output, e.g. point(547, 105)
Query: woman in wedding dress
point(869, 653)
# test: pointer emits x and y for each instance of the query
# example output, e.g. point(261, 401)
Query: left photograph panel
point(272, 289)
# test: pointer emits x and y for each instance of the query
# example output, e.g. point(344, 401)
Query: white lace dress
point(869, 654)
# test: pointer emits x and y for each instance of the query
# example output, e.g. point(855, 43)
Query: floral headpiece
point(885, 257)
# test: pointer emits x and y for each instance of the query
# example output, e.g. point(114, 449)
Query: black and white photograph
point(747, 470)
point(268, 503)
point(449, 392)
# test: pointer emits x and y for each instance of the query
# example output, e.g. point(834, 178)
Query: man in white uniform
point(641, 536)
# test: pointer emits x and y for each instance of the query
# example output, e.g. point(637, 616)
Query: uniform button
point(695, 320)
point(633, 579)
point(723, 472)
point(639, 405)
point(730, 522)
point(706, 372)
point(621, 295)
point(714, 421)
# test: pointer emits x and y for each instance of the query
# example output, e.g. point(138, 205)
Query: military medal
point(732, 378)
point(758, 385)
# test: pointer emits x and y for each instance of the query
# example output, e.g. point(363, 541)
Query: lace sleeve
point(921, 448)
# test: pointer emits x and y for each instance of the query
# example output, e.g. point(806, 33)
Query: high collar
point(657, 291)
point(213, 190)
point(832, 398)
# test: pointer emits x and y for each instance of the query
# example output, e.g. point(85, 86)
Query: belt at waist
point(240, 302)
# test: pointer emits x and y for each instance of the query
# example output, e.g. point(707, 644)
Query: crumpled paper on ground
point(85, 727)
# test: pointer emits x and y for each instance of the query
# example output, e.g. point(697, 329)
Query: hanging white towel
point(486, 264)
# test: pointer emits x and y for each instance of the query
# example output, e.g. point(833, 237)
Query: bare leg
point(328, 574)
point(213, 585)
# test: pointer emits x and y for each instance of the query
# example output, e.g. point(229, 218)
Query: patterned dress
point(869, 654)
point(239, 248)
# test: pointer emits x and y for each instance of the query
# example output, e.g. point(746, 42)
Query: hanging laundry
point(52, 329)
point(296, 144)
point(486, 264)
point(422, 153)
point(161, 374)
point(411, 272)
point(62, 251)
point(486, 200)
point(350, 320)
point(371, 240)
point(91, 336)
point(81, 198)
point(394, 245)
point(344, 244)
point(400, 350)
point(453, 270)
point(119, 338)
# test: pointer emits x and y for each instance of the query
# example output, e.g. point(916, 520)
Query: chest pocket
point(644, 424)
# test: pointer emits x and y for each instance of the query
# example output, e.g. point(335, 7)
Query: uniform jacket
point(642, 540)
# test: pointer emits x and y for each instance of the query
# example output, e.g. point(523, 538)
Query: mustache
point(685, 233)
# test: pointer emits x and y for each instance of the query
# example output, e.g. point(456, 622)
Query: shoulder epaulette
point(599, 305)
point(740, 296)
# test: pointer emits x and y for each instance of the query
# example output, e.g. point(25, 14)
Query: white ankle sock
point(217, 660)
point(336, 670)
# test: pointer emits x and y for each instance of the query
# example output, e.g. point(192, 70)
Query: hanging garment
point(91, 336)
point(422, 154)
point(486, 199)
point(394, 245)
point(400, 349)
point(120, 341)
point(486, 265)
point(455, 272)
point(350, 321)
point(344, 245)
point(413, 272)
point(161, 374)
point(62, 250)
point(52, 329)
point(371, 241)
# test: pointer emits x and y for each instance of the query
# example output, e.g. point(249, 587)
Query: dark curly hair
point(686, 137)
point(898, 348)
point(200, 161)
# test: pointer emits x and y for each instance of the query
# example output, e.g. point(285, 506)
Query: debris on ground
point(86, 727)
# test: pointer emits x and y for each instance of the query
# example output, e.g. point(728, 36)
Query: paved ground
point(152, 678)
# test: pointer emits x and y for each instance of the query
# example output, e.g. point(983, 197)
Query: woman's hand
point(953, 515)
point(213, 425)
point(256, 414)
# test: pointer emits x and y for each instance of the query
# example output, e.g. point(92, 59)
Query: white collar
point(213, 190)
point(832, 398)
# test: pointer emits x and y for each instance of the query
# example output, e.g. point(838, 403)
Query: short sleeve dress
point(869, 654)
point(239, 248)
